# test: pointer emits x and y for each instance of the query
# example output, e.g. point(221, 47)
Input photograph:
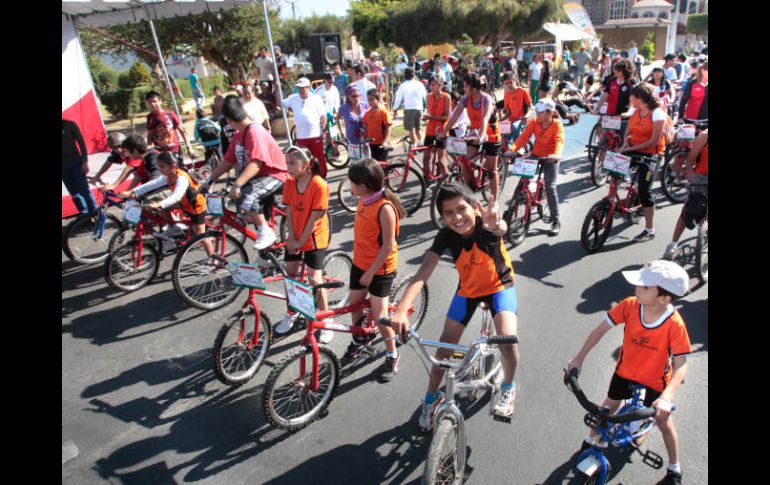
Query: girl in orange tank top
point(375, 253)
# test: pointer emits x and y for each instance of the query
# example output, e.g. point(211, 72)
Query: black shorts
point(378, 153)
point(380, 285)
point(491, 149)
point(313, 259)
point(196, 218)
point(621, 388)
point(432, 140)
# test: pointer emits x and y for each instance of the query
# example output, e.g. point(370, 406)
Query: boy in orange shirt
point(654, 332)
point(377, 123)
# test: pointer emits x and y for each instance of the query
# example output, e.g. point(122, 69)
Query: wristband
point(236, 185)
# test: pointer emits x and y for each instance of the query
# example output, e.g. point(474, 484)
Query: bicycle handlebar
point(571, 379)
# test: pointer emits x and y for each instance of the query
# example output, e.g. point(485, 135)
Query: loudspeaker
point(325, 51)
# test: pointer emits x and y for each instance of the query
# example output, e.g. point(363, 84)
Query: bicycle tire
point(78, 242)
point(288, 415)
point(544, 207)
point(128, 234)
point(701, 252)
point(120, 269)
point(227, 355)
point(502, 169)
point(600, 176)
point(347, 200)
point(594, 233)
point(446, 456)
point(593, 140)
point(517, 217)
point(435, 216)
point(674, 188)
point(192, 267)
point(420, 304)
point(337, 266)
point(337, 156)
point(409, 189)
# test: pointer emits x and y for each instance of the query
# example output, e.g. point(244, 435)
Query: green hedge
point(698, 24)
point(208, 85)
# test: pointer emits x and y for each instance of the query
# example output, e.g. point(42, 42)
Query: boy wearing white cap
point(654, 332)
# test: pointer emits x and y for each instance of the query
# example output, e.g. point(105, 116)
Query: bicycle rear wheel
point(125, 270)
point(86, 240)
point(348, 201)
point(420, 305)
point(407, 183)
point(502, 170)
point(288, 402)
point(234, 361)
point(702, 251)
point(517, 218)
point(337, 154)
point(337, 266)
point(595, 226)
point(600, 176)
point(204, 282)
point(593, 141)
point(446, 456)
point(674, 185)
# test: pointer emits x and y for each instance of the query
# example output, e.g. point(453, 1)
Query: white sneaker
point(285, 325)
point(425, 422)
point(265, 239)
point(505, 402)
point(326, 336)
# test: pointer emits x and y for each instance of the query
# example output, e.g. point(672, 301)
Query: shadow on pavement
point(546, 259)
point(567, 472)
point(602, 295)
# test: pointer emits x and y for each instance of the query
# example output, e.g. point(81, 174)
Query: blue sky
point(305, 8)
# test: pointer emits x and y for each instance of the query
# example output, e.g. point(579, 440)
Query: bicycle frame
point(533, 198)
point(429, 168)
point(474, 166)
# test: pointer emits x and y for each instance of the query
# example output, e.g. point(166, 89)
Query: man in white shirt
point(329, 94)
point(412, 95)
point(633, 52)
point(309, 118)
point(401, 66)
point(668, 68)
point(255, 108)
point(360, 81)
point(264, 65)
point(534, 78)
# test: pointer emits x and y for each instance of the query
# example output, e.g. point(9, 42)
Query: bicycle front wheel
point(674, 184)
point(702, 251)
point(203, 281)
point(337, 154)
point(408, 183)
point(288, 401)
point(86, 239)
point(446, 456)
point(599, 176)
point(420, 305)
point(596, 226)
point(346, 197)
point(131, 266)
point(593, 141)
point(237, 354)
point(337, 266)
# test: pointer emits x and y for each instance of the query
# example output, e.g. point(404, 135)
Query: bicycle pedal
point(653, 460)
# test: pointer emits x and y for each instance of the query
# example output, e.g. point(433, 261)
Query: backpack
point(207, 130)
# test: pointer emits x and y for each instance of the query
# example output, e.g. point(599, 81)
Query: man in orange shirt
point(549, 143)
point(377, 123)
point(516, 103)
point(654, 332)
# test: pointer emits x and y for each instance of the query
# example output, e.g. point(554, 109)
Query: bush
point(105, 78)
point(647, 48)
point(139, 75)
point(698, 24)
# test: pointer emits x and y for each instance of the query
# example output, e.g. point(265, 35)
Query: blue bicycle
point(86, 239)
point(628, 428)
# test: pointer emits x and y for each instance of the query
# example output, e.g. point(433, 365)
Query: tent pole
point(275, 72)
point(162, 63)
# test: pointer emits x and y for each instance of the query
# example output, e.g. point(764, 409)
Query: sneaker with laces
point(286, 323)
point(671, 478)
point(555, 228)
point(425, 423)
point(353, 352)
point(265, 239)
point(389, 369)
point(644, 236)
point(505, 402)
point(671, 253)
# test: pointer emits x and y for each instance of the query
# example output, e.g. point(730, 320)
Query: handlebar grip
point(503, 339)
point(329, 284)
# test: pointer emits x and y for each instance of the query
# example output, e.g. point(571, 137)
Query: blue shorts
point(462, 309)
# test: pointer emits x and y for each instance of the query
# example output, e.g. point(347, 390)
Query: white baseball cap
point(545, 104)
point(374, 54)
point(665, 274)
point(302, 82)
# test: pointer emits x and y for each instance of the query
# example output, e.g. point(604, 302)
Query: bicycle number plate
point(214, 205)
point(300, 298)
point(617, 163)
point(505, 127)
point(132, 213)
point(611, 122)
point(247, 275)
point(456, 146)
point(686, 132)
point(357, 152)
point(524, 167)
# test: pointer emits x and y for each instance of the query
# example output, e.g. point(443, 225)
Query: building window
point(648, 15)
point(693, 8)
point(662, 15)
point(635, 15)
point(682, 5)
point(618, 9)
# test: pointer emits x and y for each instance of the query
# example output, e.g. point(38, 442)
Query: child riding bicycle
point(654, 332)
point(474, 237)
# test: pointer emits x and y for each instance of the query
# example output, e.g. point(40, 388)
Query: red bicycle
point(605, 136)
point(519, 213)
point(302, 385)
point(241, 346)
point(429, 163)
point(672, 179)
point(598, 221)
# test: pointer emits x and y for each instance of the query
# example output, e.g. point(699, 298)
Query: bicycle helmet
point(115, 139)
point(695, 209)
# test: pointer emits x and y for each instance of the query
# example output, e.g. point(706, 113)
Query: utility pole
point(671, 39)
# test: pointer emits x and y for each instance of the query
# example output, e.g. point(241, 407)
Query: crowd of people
point(237, 136)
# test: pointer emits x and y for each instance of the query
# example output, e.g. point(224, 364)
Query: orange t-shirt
point(315, 198)
point(640, 130)
point(702, 167)
point(647, 346)
point(437, 108)
point(192, 202)
point(476, 115)
point(367, 237)
point(547, 142)
point(516, 101)
point(375, 122)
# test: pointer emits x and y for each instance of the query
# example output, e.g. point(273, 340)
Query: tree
point(698, 24)
point(293, 33)
point(647, 48)
point(468, 50)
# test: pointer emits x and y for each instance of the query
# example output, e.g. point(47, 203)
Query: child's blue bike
point(628, 428)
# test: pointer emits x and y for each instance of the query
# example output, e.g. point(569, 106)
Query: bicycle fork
point(450, 408)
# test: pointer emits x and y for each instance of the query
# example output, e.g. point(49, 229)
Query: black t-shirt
point(116, 158)
point(72, 143)
point(226, 135)
point(151, 164)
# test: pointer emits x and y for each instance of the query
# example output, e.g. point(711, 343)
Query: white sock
point(672, 245)
point(649, 231)
point(263, 228)
point(590, 440)
point(392, 355)
point(674, 467)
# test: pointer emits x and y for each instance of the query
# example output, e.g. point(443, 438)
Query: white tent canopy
point(113, 12)
point(566, 32)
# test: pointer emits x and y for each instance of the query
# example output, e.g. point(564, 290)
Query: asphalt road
point(141, 404)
